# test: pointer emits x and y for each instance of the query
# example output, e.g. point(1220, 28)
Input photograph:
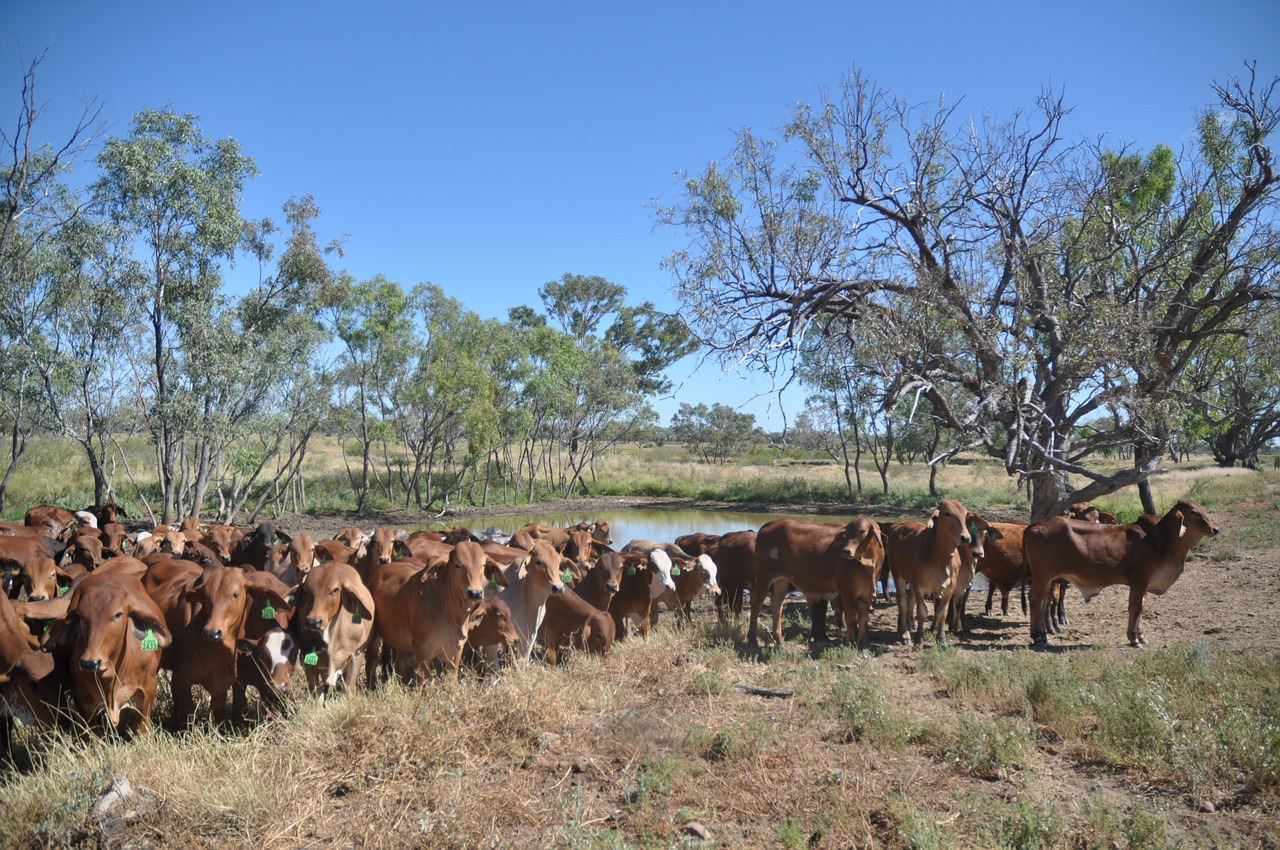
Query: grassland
point(981, 744)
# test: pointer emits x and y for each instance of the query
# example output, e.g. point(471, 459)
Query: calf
point(571, 621)
point(337, 612)
point(1147, 555)
point(254, 548)
point(490, 625)
point(530, 580)
point(206, 610)
point(982, 534)
point(43, 579)
point(925, 558)
point(818, 559)
point(643, 581)
point(114, 634)
point(735, 556)
point(36, 690)
point(696, 576)
point(57, 522)
point(425, 613)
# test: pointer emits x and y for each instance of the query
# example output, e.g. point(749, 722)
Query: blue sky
point(490, 147)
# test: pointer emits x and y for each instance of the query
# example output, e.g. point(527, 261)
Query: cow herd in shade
point(90, 614)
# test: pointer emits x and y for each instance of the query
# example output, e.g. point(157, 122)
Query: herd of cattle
point(91, 614)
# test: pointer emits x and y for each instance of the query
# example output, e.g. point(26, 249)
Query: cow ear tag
point(268, 612)
point(492, 585)
point(675, 571)
point(62, 591)
point(355, 617)
point(149, 643)
point(631, 570)
point(566, 577)
point(311, 659)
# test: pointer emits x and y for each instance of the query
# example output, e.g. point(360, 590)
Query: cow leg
point(991, 589)
point(218, 698)
point(757, 603)
point(1023, 588)
point(1041, 590)
point(777, 598)
point(941, 608)
point(904, 610)
point(184, 706)
point(373, 661)
point(818, 620)
point(1137, 600)
point(922, 612)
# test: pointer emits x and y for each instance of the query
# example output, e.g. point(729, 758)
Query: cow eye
point(235, 596)
point(118, 615)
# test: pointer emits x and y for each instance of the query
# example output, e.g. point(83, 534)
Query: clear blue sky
point(490, 147)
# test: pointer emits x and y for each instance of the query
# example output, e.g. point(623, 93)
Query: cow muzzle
point(557, 588)
point(91, 664)
point(315, 624)
point(212, 634)
point(472, 593)
point(40, 597)
point(612, 588)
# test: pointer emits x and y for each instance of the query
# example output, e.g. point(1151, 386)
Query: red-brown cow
point(206, 610)
point(58, 522)
point(425, 612)
point(337, 623)
point(923, 558)
point(817, 559)
point(1147, 555)
point(114, 634)
point(571, 621)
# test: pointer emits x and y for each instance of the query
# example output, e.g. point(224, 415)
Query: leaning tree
point(1024, 284)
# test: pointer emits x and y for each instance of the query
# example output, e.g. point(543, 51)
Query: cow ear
point(402, 535)
point(62, 633)
point(401, 549)
point(355, 591)
point(146, 624)
point(522, 566)
point(244, 646)
point(494, 572)
point(1182, 523)
point(322, 556)
point(933, 517)
point(282, 537)
point(993, 533)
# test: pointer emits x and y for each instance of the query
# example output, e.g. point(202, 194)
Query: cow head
point(330, 591)
point(43, 579)
point(599, 530)
point(950, 521)
point(491, 624)
point(662, 581)
point(114, 539)
point(468, 570)
point(381, 546)
point(1194, 522)
point(221, 540)
point(581, 550)
point(980, 533)
point(275, 654)
point(544, 564)
point(353, 538)
point(109, 615)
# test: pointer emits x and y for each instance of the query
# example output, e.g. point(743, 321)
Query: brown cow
point(818, 558)
point(530, 580)
point(924, 557)
point(559, 537)
point(1147, 555)
point(114, 634)
point(642, 582)
point(598, 583)
point(336, 550)
point(36, 690)
point(490, 625)
point(206, 610)
point(382, 547)
point(425, 612)
point(337, 622)
point(982, 535)
point(571, 621)
point(58, 522)
point(221, 539)
point(115, 540)
point(735, 556)
point(695, 576)
point(43, 579)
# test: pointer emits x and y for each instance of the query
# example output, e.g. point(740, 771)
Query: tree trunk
point(1049, 495)
point(1141, 455)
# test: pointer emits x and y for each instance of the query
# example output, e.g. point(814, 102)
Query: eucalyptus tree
point(1020, 282)
point(179, 194)
point(372, 320)
point(36, 202)
point(716, 434)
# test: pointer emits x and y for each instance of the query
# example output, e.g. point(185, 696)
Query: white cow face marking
point(712, 583)
point(662, 580)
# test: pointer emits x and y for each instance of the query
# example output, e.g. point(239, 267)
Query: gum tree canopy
point(1026, 285)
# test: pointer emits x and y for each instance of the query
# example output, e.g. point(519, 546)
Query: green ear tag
point(311, 659)
point(355, 618)
point(62, 591)
point(566, 577)
point(149, 643)
point(268, 612)
point(631, 571)
point(675, 571)
point(492, 585)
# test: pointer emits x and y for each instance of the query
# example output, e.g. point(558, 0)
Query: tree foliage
point(1020, 282)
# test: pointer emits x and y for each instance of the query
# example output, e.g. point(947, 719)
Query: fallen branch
point(765, 692)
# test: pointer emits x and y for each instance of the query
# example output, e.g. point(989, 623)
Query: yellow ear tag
point(149, 643)
point(311, 659)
